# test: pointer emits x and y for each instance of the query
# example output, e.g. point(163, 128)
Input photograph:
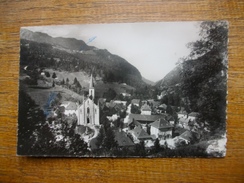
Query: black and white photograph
point(152, 89)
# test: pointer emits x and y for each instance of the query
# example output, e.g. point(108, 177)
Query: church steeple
point(91, 88)
point(91, 84)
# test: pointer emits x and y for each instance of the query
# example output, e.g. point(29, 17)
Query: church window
point(88, 110)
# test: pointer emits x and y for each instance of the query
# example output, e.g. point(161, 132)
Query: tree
point(54, 75)
point(140, 149)
point(78, 146)
point(67, 82)
point(30, 119)
point(109, 141)
point(157, 147)
point(204, 75)
point(169, 110)
point(100, 138)
point(135, 109)
point(47, 74)
point(75, 81)
point(62, 82)
point(110, 94)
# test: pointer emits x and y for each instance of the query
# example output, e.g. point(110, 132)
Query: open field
point(41, 96)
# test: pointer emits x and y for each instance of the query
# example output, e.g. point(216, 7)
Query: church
point(88, 111)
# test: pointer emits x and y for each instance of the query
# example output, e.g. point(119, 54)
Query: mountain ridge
point(56, 52)
point(172, 78)
point(40, 37)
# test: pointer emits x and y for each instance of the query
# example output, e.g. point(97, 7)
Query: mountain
point(148, 81)
point(67, 43)
point(72, 55)
point(171, 79)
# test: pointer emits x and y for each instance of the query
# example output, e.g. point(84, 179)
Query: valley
point(84, 101)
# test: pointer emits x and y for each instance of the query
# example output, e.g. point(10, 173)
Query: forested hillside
point(199, 82)
point(43, 51)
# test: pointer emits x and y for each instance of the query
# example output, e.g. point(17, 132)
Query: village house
point(134, 124)
point(120, 102)
point(154, 103)
point(123, 140)
point(184, 122)
point(146, 110)
point(144, 119)
point(193, 115)
point(162, 108)
point(102, 102)
point(136, 102)
point(184, 138)
point(69, 107)
point(125, 94)
point(182, 114)
point(161, 129)
point(139, 134)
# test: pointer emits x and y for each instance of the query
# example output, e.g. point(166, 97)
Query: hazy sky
point(154, 48)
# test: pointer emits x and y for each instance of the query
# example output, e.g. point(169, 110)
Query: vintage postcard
point(155, 89)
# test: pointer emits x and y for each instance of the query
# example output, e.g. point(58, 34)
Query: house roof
point(187, 135)
point(68, 105)
point(135, 101)
point(169, 118)
point(102, 100)
point(122, 139)
point(161, 123)
point(135, 122)
point(154, 103)
point(146, 107)
point(163, 106)
point(145, 118)
point(182, 112)
point(140, 133)
point(180, 130)
point(71, 106)
point(183, 120)
point(194, 114)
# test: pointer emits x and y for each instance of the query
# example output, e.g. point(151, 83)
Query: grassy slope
point(42, 96)
point(84, 79)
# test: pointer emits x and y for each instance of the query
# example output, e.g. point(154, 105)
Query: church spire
point(91, 84)
point(91, 88)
